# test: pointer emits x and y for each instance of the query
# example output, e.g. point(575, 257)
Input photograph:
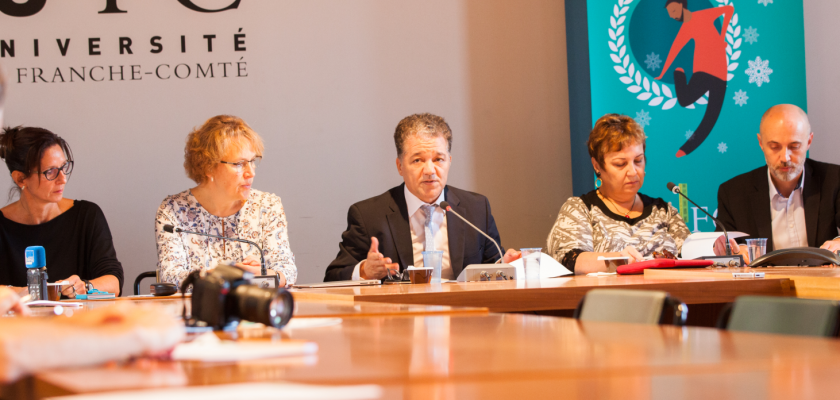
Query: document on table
point(250, 391)
point(549, 267)
point(700, 244)
point(208, 347)
point(48, 303)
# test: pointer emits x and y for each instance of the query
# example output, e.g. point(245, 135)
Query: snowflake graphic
point(688, 134)
point(765, 2)
point(643, 118)
point(740, 98)
point(653, 61)
point(751, 35)
point(722, 147)
point(759, 71)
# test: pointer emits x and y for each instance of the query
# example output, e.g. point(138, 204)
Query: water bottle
point(36, 272)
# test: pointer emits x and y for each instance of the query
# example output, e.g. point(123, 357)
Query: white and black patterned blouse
point(586, 224)
point(261, 220)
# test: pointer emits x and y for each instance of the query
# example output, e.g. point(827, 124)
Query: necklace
point(627, 214)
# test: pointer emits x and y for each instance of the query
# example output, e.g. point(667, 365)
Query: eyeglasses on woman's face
point(240, 166)
point(52, 173)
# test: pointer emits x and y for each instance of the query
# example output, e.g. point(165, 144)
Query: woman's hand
point(76, 286)
point(632, 253)
point(9, 300)
point(252, 265)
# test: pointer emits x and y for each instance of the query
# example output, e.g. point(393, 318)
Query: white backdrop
point(327, 81)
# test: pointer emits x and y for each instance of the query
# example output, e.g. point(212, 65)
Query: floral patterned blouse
point(261, 220)
point(586, 224)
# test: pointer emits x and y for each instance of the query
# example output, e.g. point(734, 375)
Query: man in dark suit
point(390, 231)
point(792, 201)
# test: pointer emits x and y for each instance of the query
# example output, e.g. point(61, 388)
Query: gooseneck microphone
point(676, 190)
point(171, 229)
point(448, 208)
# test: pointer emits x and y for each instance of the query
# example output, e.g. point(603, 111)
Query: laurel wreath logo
point(649, 90)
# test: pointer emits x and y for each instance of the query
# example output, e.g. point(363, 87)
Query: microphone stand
point(263, 271)
point(676, 190)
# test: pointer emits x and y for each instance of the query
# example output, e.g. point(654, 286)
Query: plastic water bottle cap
point(35, 257)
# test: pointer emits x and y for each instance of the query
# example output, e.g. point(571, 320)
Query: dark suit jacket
point(744, 203)
point(386, 217)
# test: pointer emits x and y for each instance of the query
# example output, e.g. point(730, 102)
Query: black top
point(744, 203)
point(77, 242)
point(386, 217)
point(592, 199)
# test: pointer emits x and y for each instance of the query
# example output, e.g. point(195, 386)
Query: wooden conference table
point(453, 349)
point(506, 356)
point(560, 296)
point(173, 305)
point(807, 282)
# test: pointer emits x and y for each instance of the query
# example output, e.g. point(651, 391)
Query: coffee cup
point(53, 292)
point(420, 275)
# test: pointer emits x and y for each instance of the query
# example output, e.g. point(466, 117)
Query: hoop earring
point(598, 181)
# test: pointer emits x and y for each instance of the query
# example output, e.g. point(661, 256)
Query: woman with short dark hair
point(74, 233)
point(615, 220)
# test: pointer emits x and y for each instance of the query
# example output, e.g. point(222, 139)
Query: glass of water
point(531, 263)
point(433, 260)
point(756, 248)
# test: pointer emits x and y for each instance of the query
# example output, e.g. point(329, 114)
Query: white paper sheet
point(549, 268)
point(208, 347)
point(602, 274)
point(250, 391)
point(48, 303)
point(700, 244)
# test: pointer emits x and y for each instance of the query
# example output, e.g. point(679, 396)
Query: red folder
point(639, 267)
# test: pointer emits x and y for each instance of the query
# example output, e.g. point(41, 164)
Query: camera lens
point(267, 306)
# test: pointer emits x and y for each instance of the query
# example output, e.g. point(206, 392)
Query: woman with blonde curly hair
point(221, 157)
point(615, 220)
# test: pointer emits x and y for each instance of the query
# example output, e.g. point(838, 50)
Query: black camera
point(222, 297)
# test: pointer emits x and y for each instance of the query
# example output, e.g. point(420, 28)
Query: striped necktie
point(430, 240)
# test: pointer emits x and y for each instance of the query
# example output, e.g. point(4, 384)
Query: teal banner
point(698, 79)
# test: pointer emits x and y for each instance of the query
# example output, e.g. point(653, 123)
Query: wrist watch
point(88, 286)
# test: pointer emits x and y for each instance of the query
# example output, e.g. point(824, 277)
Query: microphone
point(676, 190)
point(171, 229)
point(448, 208)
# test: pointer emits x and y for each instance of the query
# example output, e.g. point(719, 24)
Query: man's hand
point(720, 246)
point(9, 300)
point(511, 255)
point(76, 286)
point(375, 266)
point(631, 252)
point(832, 245)
point(720, 249)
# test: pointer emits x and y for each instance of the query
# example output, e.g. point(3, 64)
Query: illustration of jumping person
point(709, 64)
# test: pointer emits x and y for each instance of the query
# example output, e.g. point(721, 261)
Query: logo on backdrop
point(697, 76)
point(28, 51)
point(32, 7)
point(710, 63)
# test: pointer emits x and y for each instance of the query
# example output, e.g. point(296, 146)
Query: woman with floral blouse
point(222, 157)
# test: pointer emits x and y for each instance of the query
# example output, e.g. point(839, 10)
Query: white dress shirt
point(417, 224)
point(788, 217)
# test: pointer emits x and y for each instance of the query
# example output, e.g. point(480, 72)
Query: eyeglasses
point(665, 254)
point(241, 165)
point(52, 173)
